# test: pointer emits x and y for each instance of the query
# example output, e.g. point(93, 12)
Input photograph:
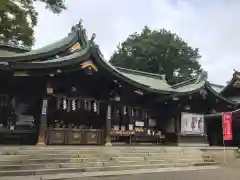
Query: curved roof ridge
point(22, 48)
point(184, 83)
point(162, 77)
point(195, 80)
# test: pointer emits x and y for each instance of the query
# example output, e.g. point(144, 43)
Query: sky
point(210, 25)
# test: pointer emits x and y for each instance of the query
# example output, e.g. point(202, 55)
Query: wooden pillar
point(108, 126)
point(178, 127)
point(43, 123)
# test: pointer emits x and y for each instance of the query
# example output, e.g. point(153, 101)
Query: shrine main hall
point(66, 93)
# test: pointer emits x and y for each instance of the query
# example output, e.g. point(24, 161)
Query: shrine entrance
point(73, 121)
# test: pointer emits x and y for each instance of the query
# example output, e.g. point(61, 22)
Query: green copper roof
point(154, 81)
point(67, 41)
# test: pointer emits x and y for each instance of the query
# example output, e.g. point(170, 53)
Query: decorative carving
point(236, 84)
point(75, 47)
point(187, 107)
point(21, 74)
point(203, 93)
point(203, 76)
point(89, 66)
point(49, 89)
point(175, 98)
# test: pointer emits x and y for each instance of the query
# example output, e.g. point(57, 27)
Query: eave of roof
point(77, 35)
point(71, 59)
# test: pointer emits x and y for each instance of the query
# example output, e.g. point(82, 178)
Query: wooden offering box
point(75, 136)
point(56, 135)
point(70, 136)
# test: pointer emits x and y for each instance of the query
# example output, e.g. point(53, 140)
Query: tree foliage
point(19, 17)
point(160, 52)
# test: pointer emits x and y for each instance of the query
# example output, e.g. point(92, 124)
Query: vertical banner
point(227, 126)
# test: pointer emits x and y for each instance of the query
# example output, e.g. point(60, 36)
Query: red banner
point(227, 126)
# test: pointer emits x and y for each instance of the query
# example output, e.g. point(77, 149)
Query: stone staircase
point(39, 160)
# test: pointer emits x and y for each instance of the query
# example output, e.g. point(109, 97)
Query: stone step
point(46, 156)
point(94, 169)
point(11, 152)
point(72, 165)
point(98, 148)
point(128, 158)
point(23, 159)
point(47, 160)
point(102, 156)
point(27, 166)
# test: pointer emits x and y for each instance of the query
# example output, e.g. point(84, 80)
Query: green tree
point(159, 52)
point(19, 17)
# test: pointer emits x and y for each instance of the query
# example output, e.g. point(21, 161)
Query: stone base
point(41, 141)
point(193, 140)
point(108, 144)
point(193, 144)
point(41, 144)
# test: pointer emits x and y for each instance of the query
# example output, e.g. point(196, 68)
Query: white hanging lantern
point(95, 106)
point(64, 104)
point(74, 105)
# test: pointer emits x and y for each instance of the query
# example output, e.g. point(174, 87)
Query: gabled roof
point(146, 81)
point(50, 50)
point(141, 80)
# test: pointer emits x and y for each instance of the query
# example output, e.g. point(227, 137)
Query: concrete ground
point(212, 174)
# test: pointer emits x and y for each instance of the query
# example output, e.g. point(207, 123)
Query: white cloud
point(212, 26)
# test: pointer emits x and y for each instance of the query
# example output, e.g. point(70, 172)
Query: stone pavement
point(211, 174)
point(109, 174)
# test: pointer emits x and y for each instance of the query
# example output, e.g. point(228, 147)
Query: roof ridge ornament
point(81, 31)
point(202, 76)
point(93, 38)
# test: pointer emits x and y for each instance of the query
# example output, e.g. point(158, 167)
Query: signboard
point(227, 126)
point(139, 123)
point(44, 107)
point(192, 123)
